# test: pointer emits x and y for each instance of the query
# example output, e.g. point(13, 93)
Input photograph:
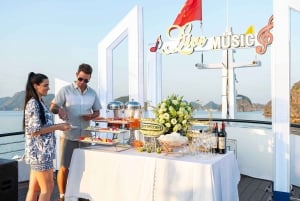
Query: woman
point(39, 138)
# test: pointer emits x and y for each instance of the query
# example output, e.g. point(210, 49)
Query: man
point(76, 104)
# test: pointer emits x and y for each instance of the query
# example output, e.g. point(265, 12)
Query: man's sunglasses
point(80, 79)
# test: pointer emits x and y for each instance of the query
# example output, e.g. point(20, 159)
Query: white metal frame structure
point(131, 26)
point(154, 77)
point(280, 75)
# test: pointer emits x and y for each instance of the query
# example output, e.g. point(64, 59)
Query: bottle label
point(221, 142)
point(214, 142)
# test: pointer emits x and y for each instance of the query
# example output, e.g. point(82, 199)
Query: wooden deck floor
point(250, 189)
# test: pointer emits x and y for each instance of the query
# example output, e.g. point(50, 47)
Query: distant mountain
point(3, 100)
point(294, 104)
point(123, 99)
point(244, 104)
point(196, 106)
point(208, 106)
point(16, 102)
point(212, 106)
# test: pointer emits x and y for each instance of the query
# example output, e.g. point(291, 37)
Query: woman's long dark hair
point(30, 92)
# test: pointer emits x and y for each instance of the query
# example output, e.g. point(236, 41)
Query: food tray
point(99, 119)
point(95, 141)
point(111, 120)
point(105, 130)
point(117, 121)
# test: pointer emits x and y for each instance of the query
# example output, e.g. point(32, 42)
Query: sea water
point(11, 121)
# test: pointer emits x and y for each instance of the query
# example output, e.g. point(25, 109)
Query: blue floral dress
point(40, 149)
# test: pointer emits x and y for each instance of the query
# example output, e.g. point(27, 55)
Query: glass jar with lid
point(133, 113)
point(115, 110)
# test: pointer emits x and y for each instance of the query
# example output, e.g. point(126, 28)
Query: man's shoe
point(61, 199)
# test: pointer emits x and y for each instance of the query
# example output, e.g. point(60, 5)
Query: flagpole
point(227, 15)
point(228, 31)
point(201, 29)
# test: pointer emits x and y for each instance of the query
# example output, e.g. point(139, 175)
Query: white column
point(280, 76)
point(154, 77)
point(136, 55)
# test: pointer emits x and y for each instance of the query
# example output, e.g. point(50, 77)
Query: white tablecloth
point(129, 175)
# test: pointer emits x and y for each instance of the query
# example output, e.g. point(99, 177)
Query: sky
point(55, 36)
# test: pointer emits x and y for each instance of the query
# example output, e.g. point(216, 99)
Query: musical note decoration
point(158, 42)
point(265, 37)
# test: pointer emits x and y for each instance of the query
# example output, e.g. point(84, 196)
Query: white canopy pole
point(280, 72)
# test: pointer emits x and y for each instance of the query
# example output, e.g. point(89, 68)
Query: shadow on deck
point(250, 189)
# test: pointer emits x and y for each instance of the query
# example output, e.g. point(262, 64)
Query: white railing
point(255, 148)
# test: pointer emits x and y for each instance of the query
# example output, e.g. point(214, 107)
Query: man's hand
point(62, 114)
point(89, 117)
point(57, 110)
point(54, 108)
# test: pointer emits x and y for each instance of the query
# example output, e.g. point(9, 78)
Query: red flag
point(192, 10)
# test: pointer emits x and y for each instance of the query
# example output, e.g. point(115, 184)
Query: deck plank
point(250, 192)
point(253, 189)
point(295, 193)
point(244, 183)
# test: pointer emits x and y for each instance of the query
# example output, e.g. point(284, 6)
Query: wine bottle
point(214, 139)
point(222, 139)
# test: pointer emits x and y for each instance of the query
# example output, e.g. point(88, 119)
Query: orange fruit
point(137, 143)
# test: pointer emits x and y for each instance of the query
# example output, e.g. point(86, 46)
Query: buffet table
point(130, 175)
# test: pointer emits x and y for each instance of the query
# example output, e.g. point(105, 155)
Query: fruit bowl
point(172, 142)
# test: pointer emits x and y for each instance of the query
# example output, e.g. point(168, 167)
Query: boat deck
point(250, 189)
point(253, 189)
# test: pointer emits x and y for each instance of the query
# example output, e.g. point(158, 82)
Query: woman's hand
point(48, 129)
point(64, 126)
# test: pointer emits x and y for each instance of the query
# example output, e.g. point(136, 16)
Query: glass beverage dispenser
point(115, 111)
point(133, 112)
